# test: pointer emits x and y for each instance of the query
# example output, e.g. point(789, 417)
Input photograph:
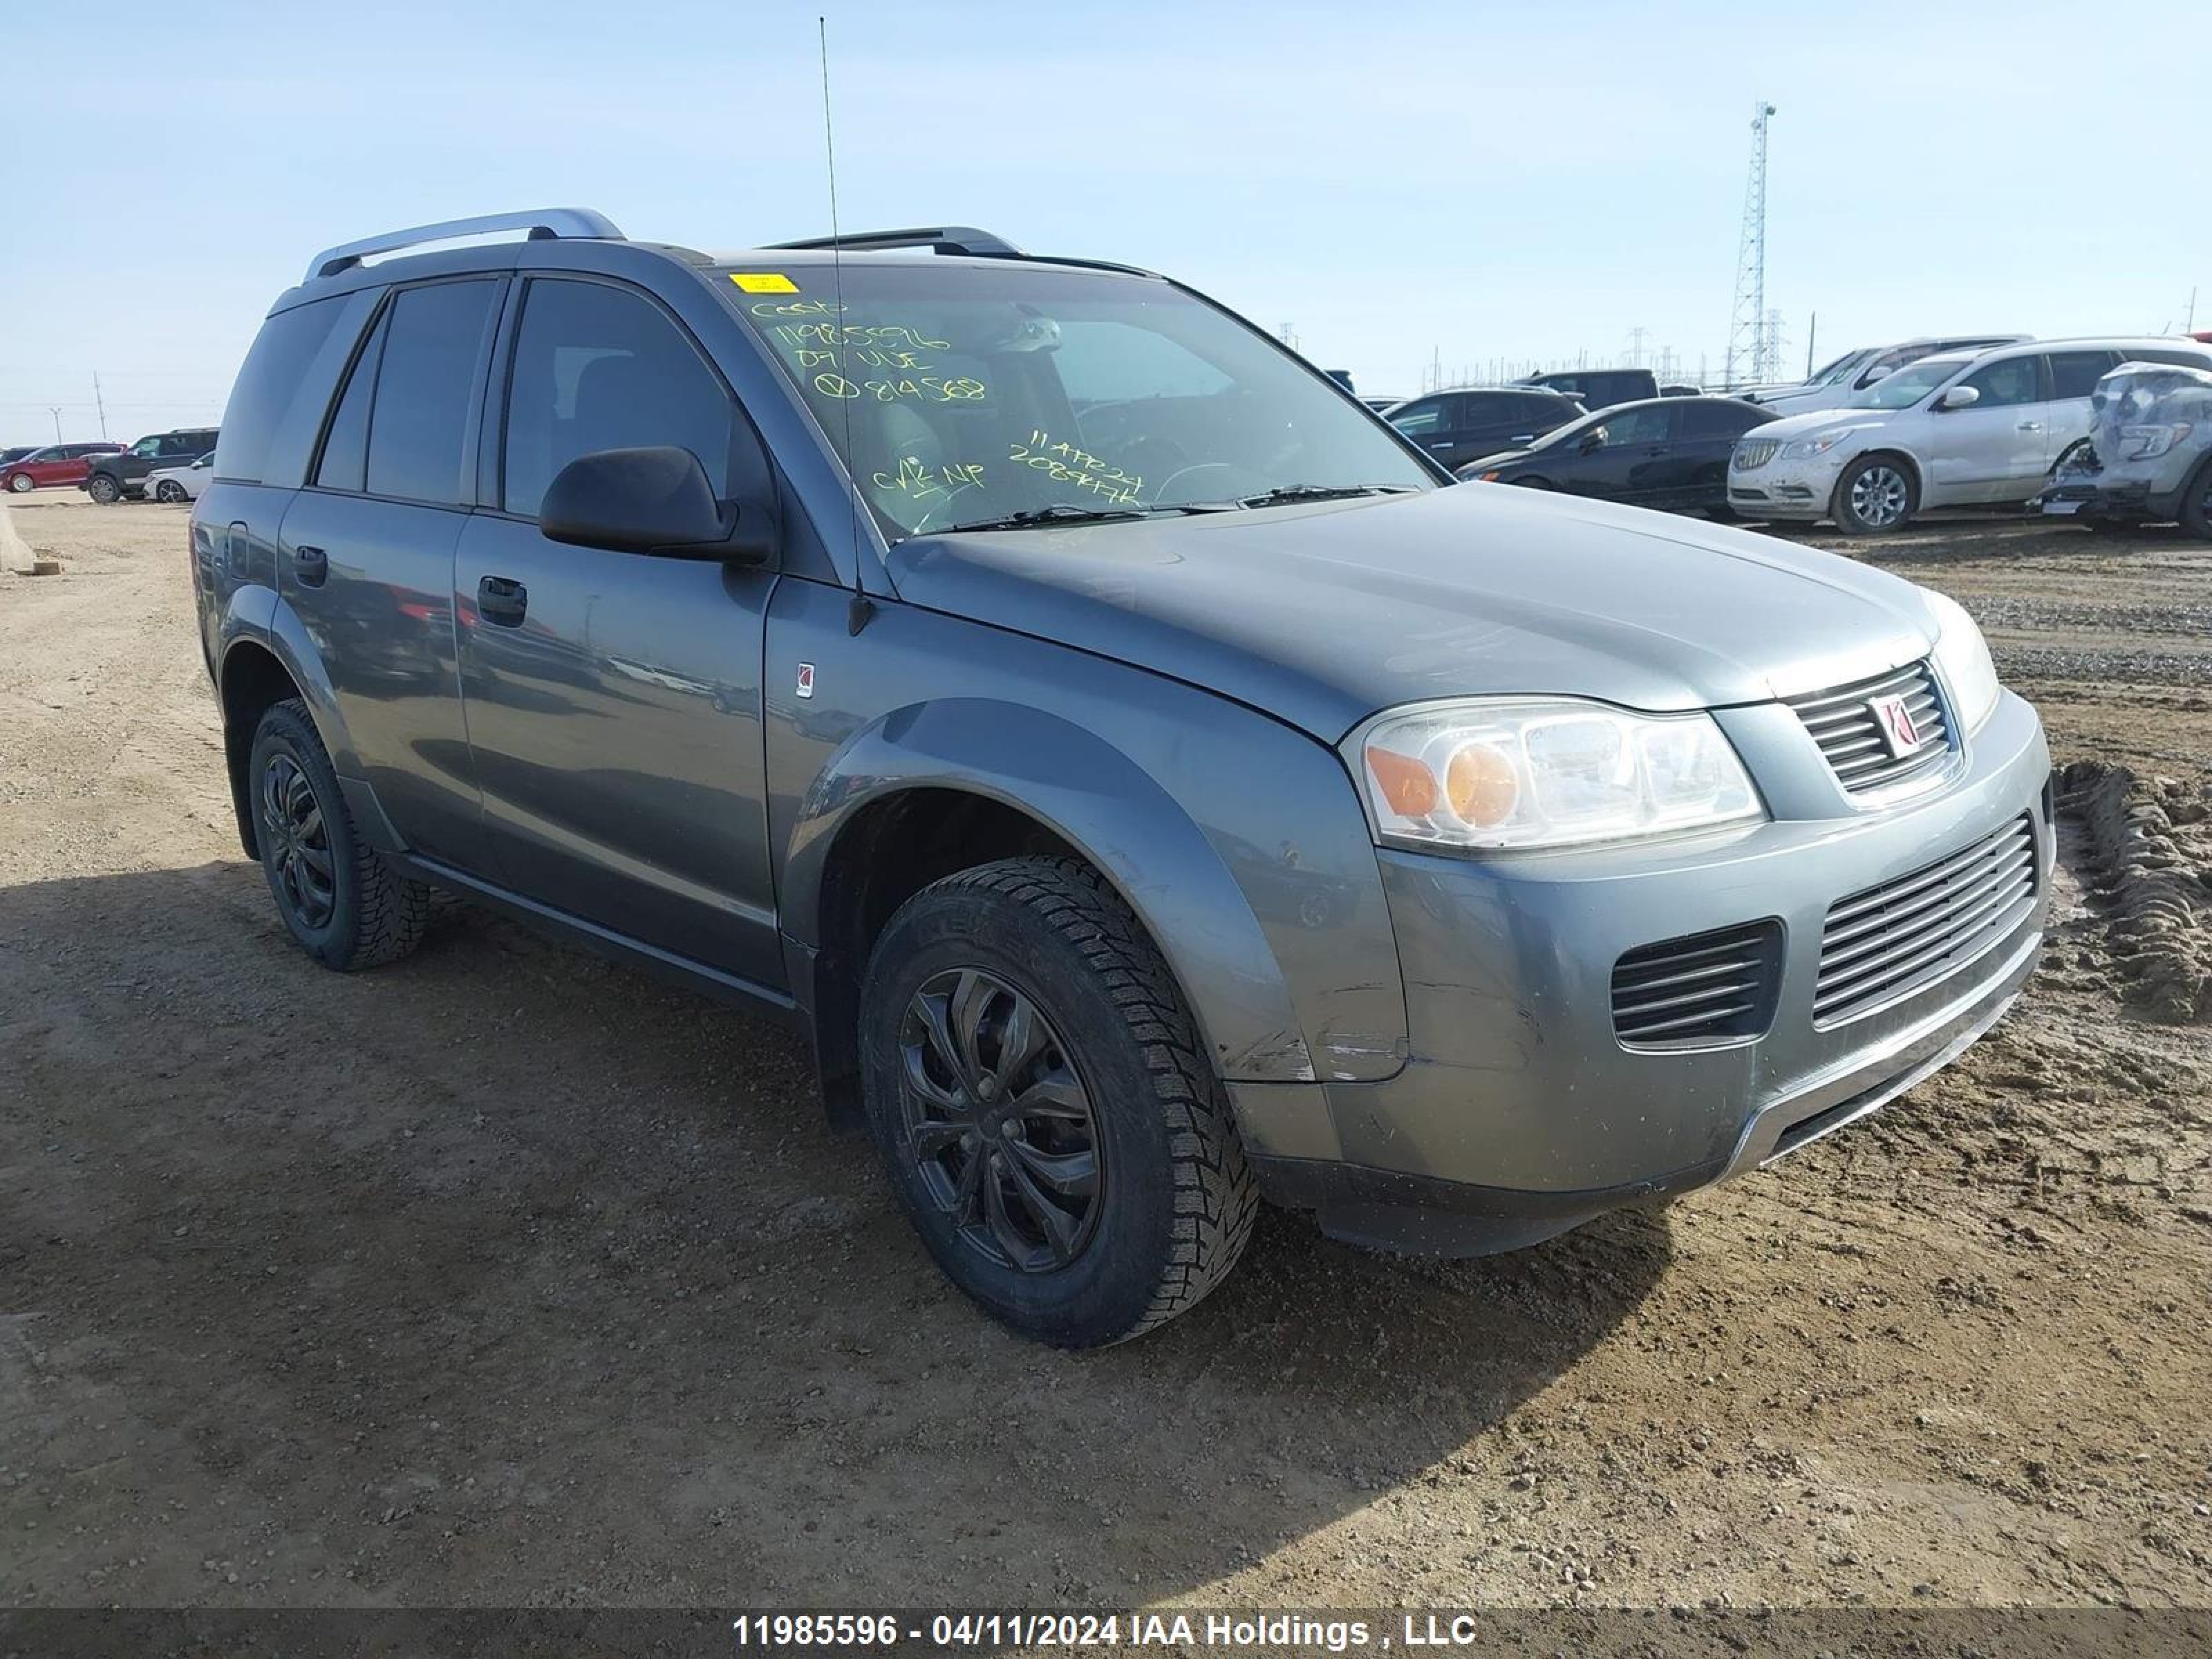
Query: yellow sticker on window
point(763, 282)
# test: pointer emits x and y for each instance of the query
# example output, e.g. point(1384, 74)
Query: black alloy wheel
point(297, 843)
point(998, 1121)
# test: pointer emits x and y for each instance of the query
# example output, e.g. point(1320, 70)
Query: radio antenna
point(858, 612)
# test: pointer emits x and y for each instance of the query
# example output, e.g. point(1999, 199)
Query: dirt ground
point(507, 1276)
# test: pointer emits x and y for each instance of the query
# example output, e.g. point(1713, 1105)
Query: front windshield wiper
point(1319, 493)
point(1067, 513)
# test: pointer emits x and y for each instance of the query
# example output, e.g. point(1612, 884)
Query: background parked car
point(114, 476)
point(16, 453)
point(1663, 451)
point(1598, 388)
point(1835, 383)
point(2149, 455)
point(1947, 431)
point(1468, 423)
point(57, 464)
point(181, 483)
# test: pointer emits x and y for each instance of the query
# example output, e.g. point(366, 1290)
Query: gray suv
point(1149, 786)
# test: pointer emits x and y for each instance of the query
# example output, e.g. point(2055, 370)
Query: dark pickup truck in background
point(111, 477)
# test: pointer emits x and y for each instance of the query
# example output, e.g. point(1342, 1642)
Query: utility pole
point(1812, 333)
point(100, 402)
point(1747, 321)
point(55, 410)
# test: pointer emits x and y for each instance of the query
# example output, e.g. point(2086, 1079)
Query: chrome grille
point(1703, 988)
point(1843, 723)
point(1890, 941)
point(1754, 453)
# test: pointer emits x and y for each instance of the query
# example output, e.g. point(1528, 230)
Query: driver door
point(613, 700)
point(1993, 449)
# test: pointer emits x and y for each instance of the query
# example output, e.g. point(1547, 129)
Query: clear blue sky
point(1482, 181)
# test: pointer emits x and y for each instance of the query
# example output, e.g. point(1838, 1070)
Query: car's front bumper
point(1784, 488)
point(1520, 1113)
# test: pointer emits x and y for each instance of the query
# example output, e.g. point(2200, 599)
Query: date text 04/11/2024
point(1032, 1629)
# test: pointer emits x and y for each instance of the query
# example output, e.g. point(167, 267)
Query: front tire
point(1044, 1107)
point(103, 489)
point(170, 491)
point(1876, 496)
point(22, 484)
point(2197, 505)
point(345, 905)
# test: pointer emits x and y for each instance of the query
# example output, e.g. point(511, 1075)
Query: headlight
point(2148, 443)
point(1805, 448)
point(1543, 772)
point(1962, 655)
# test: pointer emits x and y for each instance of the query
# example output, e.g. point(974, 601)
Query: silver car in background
point(1838, 382)
point(1952, 430)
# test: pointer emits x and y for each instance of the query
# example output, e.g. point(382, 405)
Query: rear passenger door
point(1709, 431)
point(2074, 376)
point(614, 699)
point(365, 557)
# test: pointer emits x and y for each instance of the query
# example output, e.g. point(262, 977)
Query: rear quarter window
point(272, 383)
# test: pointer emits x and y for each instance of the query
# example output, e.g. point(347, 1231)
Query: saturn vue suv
point(1147, 785)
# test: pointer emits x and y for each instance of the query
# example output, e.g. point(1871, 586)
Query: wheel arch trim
point(1101, 804)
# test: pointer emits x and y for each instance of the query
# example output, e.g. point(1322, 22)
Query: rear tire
point(1044, 1107)
point(103, 489)
point(1876, 496)
point(345, 905)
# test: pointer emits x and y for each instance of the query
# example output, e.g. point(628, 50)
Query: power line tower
point(1770, 348)
point(1748, 354)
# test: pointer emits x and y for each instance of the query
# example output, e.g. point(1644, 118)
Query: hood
point(1323, 614)
point(1788, 427)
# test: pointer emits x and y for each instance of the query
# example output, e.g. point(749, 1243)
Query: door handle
point(2031, 426)
point(311, 565)
point(501, 601)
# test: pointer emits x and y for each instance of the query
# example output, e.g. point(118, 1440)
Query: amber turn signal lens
point(1407, 785)
point(1478, 781)
point(1490, 477)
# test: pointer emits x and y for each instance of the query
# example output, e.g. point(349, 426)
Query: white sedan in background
point(181, 483)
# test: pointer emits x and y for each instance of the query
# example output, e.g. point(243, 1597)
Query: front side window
point(1422, 420)
point(433, 349)
point(2007, 383)
point(1908, 386)
point(146, 448)
point(1636, 426)
point(599, 368)
point(960, 395)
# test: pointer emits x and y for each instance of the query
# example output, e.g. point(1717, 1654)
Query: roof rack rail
point(544, 224)
point(941, 239)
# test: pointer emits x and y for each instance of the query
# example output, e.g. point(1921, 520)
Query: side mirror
point(1592, 440)
point(1959, 396)
point(654, 500)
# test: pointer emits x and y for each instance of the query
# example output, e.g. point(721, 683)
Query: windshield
point(1829, 374)
point(961, 395)
point(1909, 385)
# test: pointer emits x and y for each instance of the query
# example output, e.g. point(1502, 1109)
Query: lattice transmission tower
point(1751, 355)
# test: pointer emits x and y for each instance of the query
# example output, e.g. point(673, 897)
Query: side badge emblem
point(807, 679)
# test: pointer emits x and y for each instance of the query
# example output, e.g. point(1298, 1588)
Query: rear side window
point(2075, 373)
point(597, 367)
point(262, 401)
point(1720, 421)
point(433, 350)
point(345, 465)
